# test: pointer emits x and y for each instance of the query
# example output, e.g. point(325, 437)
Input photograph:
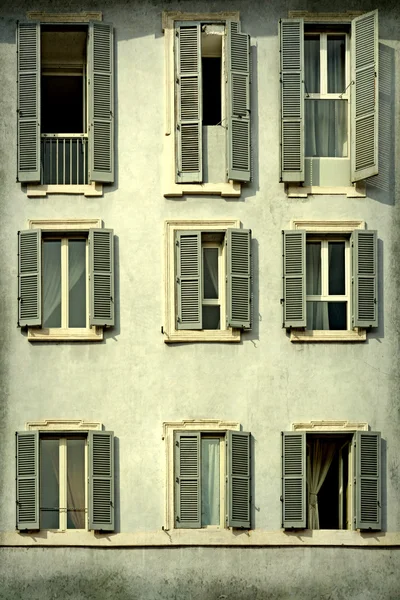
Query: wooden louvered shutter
point(292, 99)
point(187, 480)
point(238, 480)
point(189, 104)
point(364, 96)
point(294, 279)
point(239, 124)
point(189, 280)
point(101, 274)
point(364, 278)
point(238, 272)
point(368, 480)
point(101, 102)
point(28, 44)
point(27, 477)
point(101, 480)
point(293, 480)
point(29, 278)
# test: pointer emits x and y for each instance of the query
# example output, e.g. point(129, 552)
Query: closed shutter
point(239, 124)
point(101, 480)
point(238, 484)
point(294, 279)
point(27, 477)
point(29, 278)
point(365, 283)
point(101, 102)
point(28, 45)
point(101, 273)
point(293, 480)
point(189, 280)
point(364, 96)
point(187, 480)
point(189, 104)
point(368, 480)
point(292, 99)
point(239, 278)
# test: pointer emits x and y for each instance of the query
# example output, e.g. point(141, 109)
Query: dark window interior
point(211, 73)
point(62, 104)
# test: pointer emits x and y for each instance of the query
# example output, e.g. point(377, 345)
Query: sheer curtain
point(76, 484)
point(211, 272)
point(210, 482)
point(319, 460)
point(317, 312)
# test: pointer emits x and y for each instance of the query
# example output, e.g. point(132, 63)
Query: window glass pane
point(211, 317)
point(52, 283)
point(326, 315)
point(313, 268)
point(49, 489)
point(210, 273)
point(311, 64)
point(211, 79)
point(62, 103)
point(76, 484)
point(326, 128)
point(77, 283)
point(210, 482)
point(337, 281)
point(336, 64)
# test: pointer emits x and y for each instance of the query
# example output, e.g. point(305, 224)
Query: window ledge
point(189, 335)
point(95, 334)
point(230, 189)
point(91, 189)
point(353, 191)
point(356, 335)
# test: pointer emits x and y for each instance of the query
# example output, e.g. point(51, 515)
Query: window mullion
point(223, 482)
point(324, 268)
point(222, 283)
point(64, 283)
point(63, 484)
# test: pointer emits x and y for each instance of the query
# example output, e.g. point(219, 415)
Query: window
point(331, 480)
point(65, 480)
point(330, 281)
point(208, 275)
point(66, 281)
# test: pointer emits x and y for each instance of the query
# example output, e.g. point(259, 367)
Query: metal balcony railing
point(64, 158)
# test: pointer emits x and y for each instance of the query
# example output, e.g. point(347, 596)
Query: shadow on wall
point(379, 332)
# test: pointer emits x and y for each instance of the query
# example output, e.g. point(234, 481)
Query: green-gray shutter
point(364, 96)
point(29, 278)
point(238, 479)
point(188, 87)
point(368, 480)
point(294, 480)
point(292, 99)
point(294, 279)
point(28, 45)
point(364, 278)
point(101, 480)
point(189, 280)
point(187, 474)
point(27, 479)
point(101, 273)
point(238, 256)
point(101, 102)
point(239, 124)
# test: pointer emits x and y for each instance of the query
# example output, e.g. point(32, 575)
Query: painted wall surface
point(133, 382)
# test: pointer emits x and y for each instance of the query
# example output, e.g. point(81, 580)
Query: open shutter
point(238, 270)
point(365, 286)
point(187, 480)
point(189, 280)
point(27, 476)
point(101, 480)
point(29, 278)
point(101, 269)
point(101, 102)
point(239, 125)
point(292, 99)
point(368, 480)
point(189, 107)
point(28, 44)
point(364, 96)
point(294, 279)
point(293, 480)
point(238, 481)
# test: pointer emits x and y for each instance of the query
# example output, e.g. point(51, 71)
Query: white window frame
point(221, 300)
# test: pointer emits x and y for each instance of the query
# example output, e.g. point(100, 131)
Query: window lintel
point(330, 426)
point(82, 17)
point(63, 425)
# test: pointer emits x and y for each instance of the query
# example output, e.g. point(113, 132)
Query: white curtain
point(76, 483)
point(211, 269)
point(52, 283)
point(317, 312)
point(321, 453)
point(210, 482)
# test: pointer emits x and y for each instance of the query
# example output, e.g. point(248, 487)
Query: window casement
point(331, 480)
point(65, 280)
point(329, 103)
point(65, 107)
point(208, 281)
point(329, 282)
point(65, 480)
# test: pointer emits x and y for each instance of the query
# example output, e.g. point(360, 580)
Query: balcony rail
point(64, 158)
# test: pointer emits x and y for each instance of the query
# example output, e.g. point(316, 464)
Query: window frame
point(221, 300)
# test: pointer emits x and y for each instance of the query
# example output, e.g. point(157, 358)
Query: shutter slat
point(189, 280)
point(29, 278)
point(187, 480)
point(101, 267)
point(293, 480)
point(365, 286)
point(368, 483)
point(101, 480)
point(238, 479)
point(239, 278)
point(294, 279)
point(27, 476)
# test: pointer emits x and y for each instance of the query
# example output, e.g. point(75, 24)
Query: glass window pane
point(326, 315)
point(313, 268)
point(337, 279)
point(311, 64)
point(210, 272)
point(49, 488)
point(76, 484)
point(52, 283)
point(336, 64)
point(210, 482)
point(211, 317)
point(326, 128)
point(77, 283)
